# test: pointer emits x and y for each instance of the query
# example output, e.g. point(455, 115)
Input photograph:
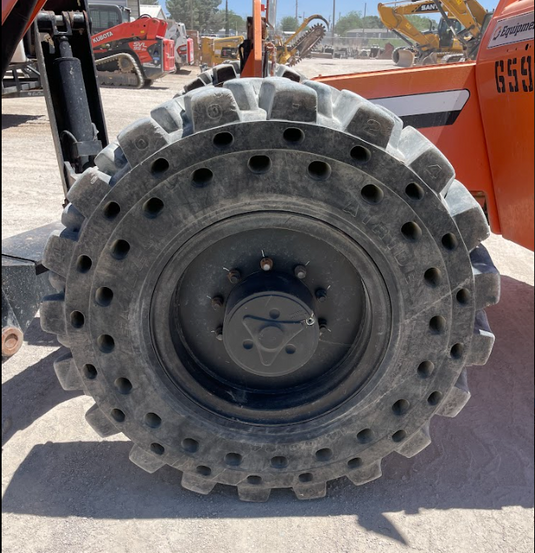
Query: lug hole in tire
point(83, 264)
point(365, 436)
point(120, 249)
point(77, 319)
point(111, 210)
point(306, 477)
point(223, 139)
point(354, 463)
point(259, 164)
point(254, 480)
point(279, 462)
point(204, 471)
point(153, 420)
point(360, 154)
point(90, 372)
point(233, 459)
point(425, 369)
point(319, 170)
point(106, 343)
point(438, 325)
point(411, 231)
point(123, 385)
point(324, 454)
point(157, 449)
point(432, 277)
point(159, 166)
point(372, 194)
point(414, 191)
point(456, 351)
point(117, 415)
point(435, 398)
point(399, 436)
point(463, 296)
point(190, 445)
point(152, 208)
point(201, 177)
point(450, 241)
point(401, 407)
point(104, 296)
point(293, 135)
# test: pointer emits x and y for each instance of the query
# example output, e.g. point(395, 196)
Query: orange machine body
point(479, 114)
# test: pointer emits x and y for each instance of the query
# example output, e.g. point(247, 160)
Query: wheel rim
point(308, 373)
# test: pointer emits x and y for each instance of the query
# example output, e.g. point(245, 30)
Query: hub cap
point(270, 329)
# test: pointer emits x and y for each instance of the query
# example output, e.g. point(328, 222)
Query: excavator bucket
point(406, 58)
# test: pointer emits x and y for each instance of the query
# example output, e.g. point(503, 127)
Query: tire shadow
point(483, 459)
point(14, 120)
point(33, 392)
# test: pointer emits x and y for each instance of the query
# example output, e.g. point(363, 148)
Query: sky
point(322, 7)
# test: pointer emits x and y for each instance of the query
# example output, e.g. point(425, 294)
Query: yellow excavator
point(456, 38)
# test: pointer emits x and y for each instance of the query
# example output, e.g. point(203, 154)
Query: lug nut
point(234, 276)
point(217, 302)
point(300, 271)
point(219, 333)
point(321, 294)
point(323, 326)
point(266, 264)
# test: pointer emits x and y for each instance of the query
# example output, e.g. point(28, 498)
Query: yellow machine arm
point(298, 45)
point(470, 13)
point(394, 18)
point(303, 26)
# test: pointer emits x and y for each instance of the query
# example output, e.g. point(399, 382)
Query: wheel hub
point(270, 328)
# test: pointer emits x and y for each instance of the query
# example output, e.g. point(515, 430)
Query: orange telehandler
point(273, 282)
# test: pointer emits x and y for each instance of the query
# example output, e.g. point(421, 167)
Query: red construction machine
point(129, 53)
point(271, 281)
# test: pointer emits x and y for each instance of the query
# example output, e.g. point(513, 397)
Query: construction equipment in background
point(288, 51)
point(457, 37)
point(273, 282)
point(196, 38)
point(22, 77)
point(183, 45)
point(291, 50)
point(129, 53)
point(215, 51)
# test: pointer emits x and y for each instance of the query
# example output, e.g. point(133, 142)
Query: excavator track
point(304, 45)
point(132, 79)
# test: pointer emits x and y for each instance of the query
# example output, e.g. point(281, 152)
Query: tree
point(372, 22)
point(289, 24)
point(351, 20)
point(421, 23)
point(193, 13)
point(216, 22)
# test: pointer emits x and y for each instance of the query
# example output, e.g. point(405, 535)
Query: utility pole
point(364, 9)
point(226, 19)
point(297, 11)
point(191, 14)
point(334, 17)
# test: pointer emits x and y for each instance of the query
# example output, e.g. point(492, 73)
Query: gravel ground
point(65, 489)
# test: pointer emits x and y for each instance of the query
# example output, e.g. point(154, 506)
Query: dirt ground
point(67, 490)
